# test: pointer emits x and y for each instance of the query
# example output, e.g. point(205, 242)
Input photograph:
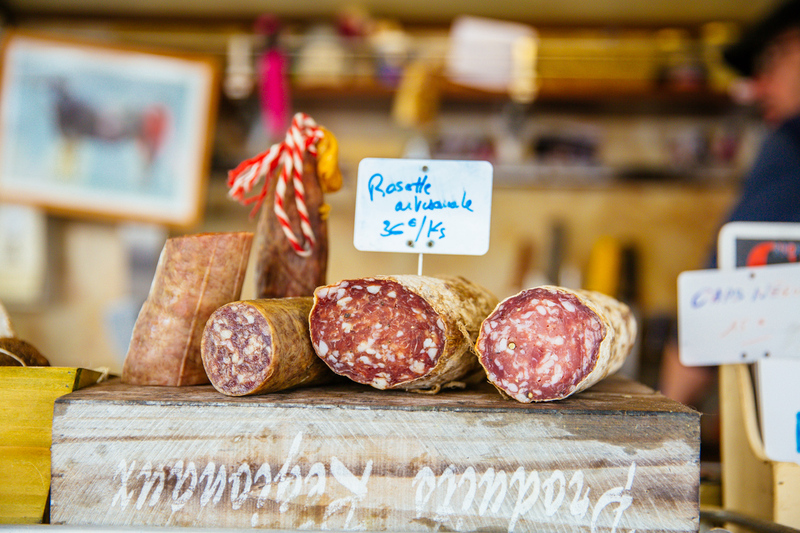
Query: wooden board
point(618, 457)
point(27, 395)
point(752, 485)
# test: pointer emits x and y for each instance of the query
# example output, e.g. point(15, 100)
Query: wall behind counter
point(671, 225)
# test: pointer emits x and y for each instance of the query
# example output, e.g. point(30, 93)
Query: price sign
point(739, 316)
point(423, 206)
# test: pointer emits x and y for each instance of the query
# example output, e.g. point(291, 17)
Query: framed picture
point(107, 131)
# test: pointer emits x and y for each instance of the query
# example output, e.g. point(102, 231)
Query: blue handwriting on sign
point(734, 295)
point(429, 228)
point(717, 295)
point(432, 205)
point(422, 201)
point(419, 187)
point(376, 185)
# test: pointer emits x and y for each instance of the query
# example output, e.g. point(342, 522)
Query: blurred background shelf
point(586, 94)
point(564, 12)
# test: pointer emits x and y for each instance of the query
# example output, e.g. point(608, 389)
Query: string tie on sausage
point(301, 138)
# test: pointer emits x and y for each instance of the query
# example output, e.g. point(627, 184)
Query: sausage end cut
point(259, 346)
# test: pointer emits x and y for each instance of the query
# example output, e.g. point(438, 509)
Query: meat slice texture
point(400, 332)
point(194, 276)
point(260, 346)
point(547, 343)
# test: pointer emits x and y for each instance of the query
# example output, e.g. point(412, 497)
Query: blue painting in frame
point(95, 129)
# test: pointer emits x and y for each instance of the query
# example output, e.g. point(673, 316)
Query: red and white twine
point(301, 137)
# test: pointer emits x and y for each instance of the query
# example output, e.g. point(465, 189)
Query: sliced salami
point(195, 275)
point(260, 346)
point(547, 343)
point(400, 332)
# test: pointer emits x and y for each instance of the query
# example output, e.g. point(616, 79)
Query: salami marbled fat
point(546, 343)
point(400, 332)
point(261, 346)
point(194, 276)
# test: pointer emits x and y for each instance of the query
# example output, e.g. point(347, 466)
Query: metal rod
point(722, 516)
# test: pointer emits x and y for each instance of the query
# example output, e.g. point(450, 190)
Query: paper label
point(423, 206)
point(778, 406)
point(797, 440)
point(739, 316)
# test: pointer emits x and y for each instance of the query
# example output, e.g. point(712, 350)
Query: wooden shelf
point(551, 91)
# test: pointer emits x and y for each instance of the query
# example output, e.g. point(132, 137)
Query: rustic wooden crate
point(27, 395)
point(618, 457)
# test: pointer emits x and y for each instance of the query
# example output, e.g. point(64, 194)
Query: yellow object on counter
point(27, 397)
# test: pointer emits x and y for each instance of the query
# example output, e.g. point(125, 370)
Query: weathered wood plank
point(618, 457)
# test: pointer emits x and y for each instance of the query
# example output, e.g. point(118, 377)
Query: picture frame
point(103, 130)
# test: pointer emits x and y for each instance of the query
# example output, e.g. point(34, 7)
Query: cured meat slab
point(279, 270)
point(195, 275)
point(618, 456)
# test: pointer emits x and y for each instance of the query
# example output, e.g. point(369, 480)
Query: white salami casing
point(400, 332)
point(547, 343)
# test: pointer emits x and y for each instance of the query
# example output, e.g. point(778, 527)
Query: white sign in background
point(423, 206)
point(739, 316)
point(779, 408)
point(776, 378)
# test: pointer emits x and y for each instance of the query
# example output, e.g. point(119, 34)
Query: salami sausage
point(547, 343)
point(292, 243)
point(279, 270)
point(194, 276)
point(17, 352)
point(260, 346)
point(400, 332)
